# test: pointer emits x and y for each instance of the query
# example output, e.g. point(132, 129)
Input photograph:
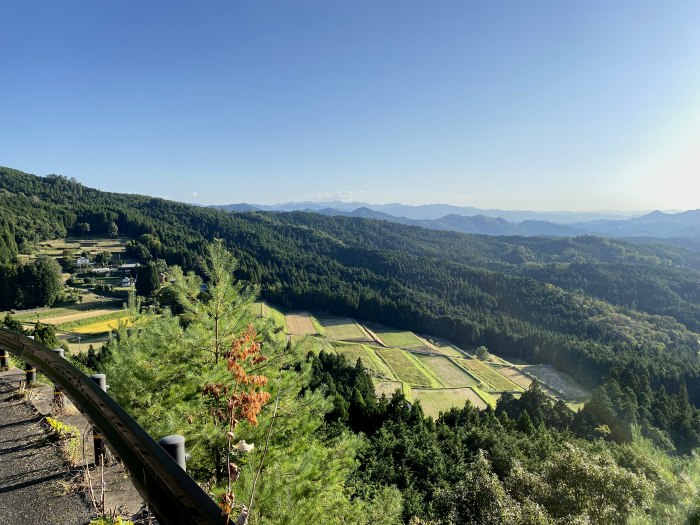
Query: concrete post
point(4, 360)
point(98, 443)
point(174, 445)
point(58, 398)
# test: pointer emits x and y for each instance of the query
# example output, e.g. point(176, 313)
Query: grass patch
point(398, 338)
point(311, 343)
point(274, 314)
point(406, 368)
point(485, 396)
point(256, 309)
point(488, 375)
point(407, 391)
point(319, 328)
point(448, 372)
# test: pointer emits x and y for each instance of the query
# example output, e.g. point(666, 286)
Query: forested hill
point(584, 304)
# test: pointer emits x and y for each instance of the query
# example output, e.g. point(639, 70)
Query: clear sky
point(522, 104)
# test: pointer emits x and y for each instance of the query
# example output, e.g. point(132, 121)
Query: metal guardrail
point(171, 494)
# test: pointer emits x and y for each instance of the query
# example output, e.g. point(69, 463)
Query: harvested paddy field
point(494, 378)
point(89, 304)
point(90, 244)
point(398, 338)
point(448, 372)
point(516, 376)
point(70, 318)
point(407, 368)
point(387, 388)
point(435, 401)
point(300, 324)
point(344, 330)
point(562, 384)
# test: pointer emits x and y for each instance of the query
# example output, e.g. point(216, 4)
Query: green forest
point(621, 318)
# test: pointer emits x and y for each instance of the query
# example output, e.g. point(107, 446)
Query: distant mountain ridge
point(657, 224)
point(436, 211)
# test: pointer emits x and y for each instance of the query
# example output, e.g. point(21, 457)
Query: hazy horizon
point(540, 106)
point(396, 203)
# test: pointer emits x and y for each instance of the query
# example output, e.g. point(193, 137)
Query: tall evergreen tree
point(147, 281)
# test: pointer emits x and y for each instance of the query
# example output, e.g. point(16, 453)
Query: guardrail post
point(58, 398)
point(30, 373)
point(97, 442)
point(174, 445)
point(4, 360)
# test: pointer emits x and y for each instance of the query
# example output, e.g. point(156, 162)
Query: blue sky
point(530, 105)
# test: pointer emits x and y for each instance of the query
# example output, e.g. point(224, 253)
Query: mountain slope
point(519, 296)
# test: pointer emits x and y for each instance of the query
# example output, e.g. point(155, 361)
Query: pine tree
point(226, 312)
point(295, 473)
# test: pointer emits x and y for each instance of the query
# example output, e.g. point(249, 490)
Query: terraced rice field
point(435, 401)
point(398, 338)
point(516, 376)
point(485, 396)
point(300, 324)
point(370, 360)
point(310, 343)
point(387, 388)
point(89, 304)
point(101, 327)
point(449, 350)
point(79, 316)
point(448, 372)
point(344, 330)
point(352, 353)
point(497, 381)
point(91, 244)
point(563, 384)
point(407, 368)
point(275, 315)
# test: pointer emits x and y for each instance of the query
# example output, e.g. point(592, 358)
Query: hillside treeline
point(587, 305)
point(328, 451)
point(529, 461)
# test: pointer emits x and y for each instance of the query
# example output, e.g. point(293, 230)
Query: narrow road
point(32, 473)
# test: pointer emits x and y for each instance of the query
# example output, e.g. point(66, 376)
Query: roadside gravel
point(32, 472)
